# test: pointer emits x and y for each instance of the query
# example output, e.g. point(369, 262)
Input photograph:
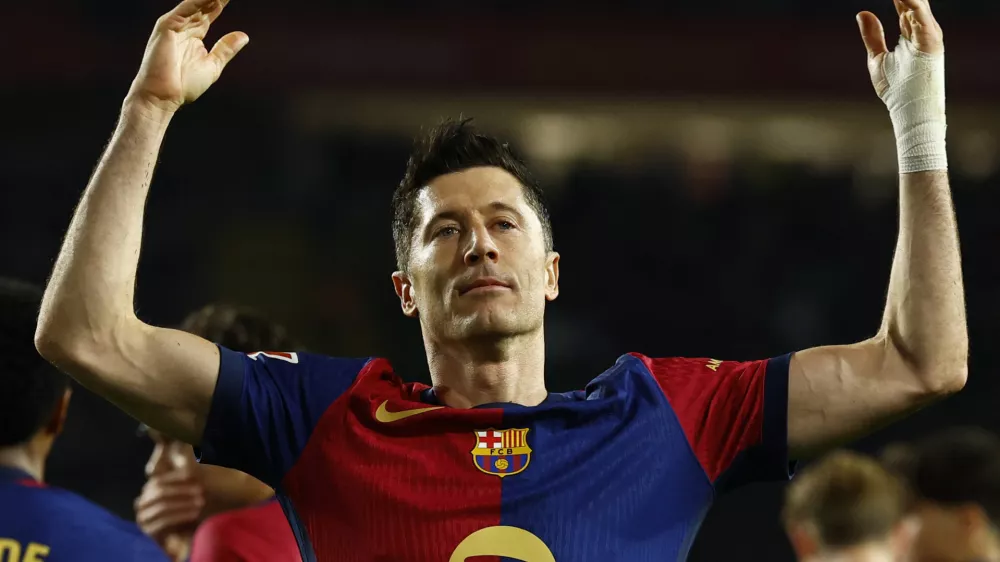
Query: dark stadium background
point(720, 173)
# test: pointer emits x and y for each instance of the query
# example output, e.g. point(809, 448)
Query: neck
point(469, 373)
point(870, 552)
point(24, 457)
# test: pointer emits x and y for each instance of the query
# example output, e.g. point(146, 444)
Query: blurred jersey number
point(503, 541)
point(11, 551)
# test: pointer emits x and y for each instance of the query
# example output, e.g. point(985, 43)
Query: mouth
point(483, 285)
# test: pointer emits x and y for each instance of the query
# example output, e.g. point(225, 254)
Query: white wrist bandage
point(915, 98)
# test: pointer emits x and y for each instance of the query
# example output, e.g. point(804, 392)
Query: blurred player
point(244, 522)
point(954, 477)
point(487, 462)
point(39, 523)
point(848, 508)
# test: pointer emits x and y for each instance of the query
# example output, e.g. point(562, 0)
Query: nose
point(481, 247)
point(158, 462)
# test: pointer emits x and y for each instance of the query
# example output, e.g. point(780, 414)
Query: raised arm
point(87, 325)
point(919, 354)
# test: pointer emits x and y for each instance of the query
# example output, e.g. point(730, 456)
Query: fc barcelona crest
point(502, 452)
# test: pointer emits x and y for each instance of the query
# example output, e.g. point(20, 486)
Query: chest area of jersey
point(562, 484)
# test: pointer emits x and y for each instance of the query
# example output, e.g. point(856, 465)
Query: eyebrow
point(457, 216)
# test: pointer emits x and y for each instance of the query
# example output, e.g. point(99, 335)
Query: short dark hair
point(238, 328)
point(848, 498)
point(955, 466)
point(450, 147)
point(30, 387)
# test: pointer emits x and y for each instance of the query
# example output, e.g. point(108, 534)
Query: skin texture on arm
point(87, 324)
point(920, 352)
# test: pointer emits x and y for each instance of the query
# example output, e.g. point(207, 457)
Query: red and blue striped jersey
point(369, 468)
point(40, 523)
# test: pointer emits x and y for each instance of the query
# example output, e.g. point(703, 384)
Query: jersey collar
point(428, 396)
point(11, 474)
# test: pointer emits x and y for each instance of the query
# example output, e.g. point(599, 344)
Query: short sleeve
point(734, 414)
point(266, 405)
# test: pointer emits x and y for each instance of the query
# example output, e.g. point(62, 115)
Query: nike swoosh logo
point(385, 416)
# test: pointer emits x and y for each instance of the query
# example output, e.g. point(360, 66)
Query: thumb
point(872, 34)
point(227, 47)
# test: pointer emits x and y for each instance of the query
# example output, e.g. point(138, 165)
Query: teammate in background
point(848, 508)
point(205, 513)
point(487, 462)
point(39, 523)
point(954, 477)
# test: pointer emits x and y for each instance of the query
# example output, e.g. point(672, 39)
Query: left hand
point(916, 25)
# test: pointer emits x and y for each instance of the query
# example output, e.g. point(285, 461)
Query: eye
point(446, 231)
point(506, 225)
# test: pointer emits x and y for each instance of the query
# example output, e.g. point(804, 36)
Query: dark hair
point(450, 147)
point(952, 467)
point(238, 328)
point(30, 387)
point(848, 498)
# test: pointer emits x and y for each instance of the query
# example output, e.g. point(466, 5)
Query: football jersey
point(369, 468)
point(40, 523)
point(255, 533)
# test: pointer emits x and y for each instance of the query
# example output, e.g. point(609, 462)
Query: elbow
point(941, 372)
point(67, 343)
point(948, 378)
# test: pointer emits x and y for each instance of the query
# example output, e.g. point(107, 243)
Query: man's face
point(478, 264)
point(169, 455)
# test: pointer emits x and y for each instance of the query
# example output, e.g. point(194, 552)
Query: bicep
point(838, 393)
point(162, 377)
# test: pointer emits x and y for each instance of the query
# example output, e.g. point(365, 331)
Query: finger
point(170, 521)
point(872, 34)
point(153, 512)
point(921, 11)
point(900, 8)
point(904, 26)
point(153, 496)
point(217, 9)
point(228, 47)
point(188, 8)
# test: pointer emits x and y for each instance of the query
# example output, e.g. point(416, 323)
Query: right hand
point(176, 67)
point(169, 510)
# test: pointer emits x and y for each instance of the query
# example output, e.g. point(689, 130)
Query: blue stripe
point(298, 529)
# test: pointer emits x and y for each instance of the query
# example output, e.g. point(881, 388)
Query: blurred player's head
point(468, 213)
point(237, 328)
point(240, 329)
point(848, 507)
point(34, 396)
point(954, 477)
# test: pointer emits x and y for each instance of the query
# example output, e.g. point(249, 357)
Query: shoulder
point(75, 521)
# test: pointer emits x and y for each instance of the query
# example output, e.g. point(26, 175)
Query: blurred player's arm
point(920, 352)
point(87, 325)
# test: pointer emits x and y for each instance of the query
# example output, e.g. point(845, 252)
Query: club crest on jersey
point(501, 452)
point(290, 357)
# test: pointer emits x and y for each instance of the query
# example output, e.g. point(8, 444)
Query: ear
point(552, 276)
point(973, 519)
point(803, 542)
point(58, 419)
point(404, 290)
point(904, 535)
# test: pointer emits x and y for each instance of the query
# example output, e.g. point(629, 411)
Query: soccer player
point(848, 508)
point(954, 477)
point(39, 523)
point(246, 522)
point(487, 462)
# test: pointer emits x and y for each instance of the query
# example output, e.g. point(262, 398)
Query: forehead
point(470, 190)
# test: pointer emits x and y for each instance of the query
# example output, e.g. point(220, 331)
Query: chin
point(491, 323)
